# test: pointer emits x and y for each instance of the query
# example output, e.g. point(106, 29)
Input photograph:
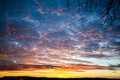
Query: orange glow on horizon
point(62, 73)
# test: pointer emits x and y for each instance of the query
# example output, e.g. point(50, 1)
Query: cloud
point(25, 67)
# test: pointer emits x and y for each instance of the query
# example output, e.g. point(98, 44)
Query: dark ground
point(33, 78)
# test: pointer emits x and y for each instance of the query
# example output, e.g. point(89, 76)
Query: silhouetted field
point(43, 78)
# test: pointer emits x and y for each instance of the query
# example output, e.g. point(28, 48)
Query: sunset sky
point(60, 38)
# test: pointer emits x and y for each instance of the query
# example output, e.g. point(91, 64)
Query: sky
point(69, 38)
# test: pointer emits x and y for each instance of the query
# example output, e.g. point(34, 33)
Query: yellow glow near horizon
point(64, 74)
